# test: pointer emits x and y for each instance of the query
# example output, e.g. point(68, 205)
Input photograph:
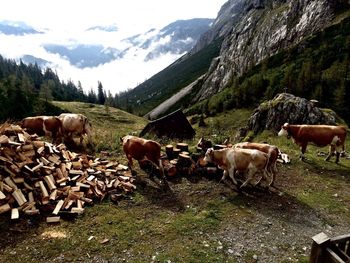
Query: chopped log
point(2, 196)
point(18, 180)
point(10, 183)
point(58, 207)
point(32, 212)
point(169, 149)
point(4, 139)
point(53, 219)
point(27, 147)
point(6, 188)
point(19, 197)
point(182, 146)
point(184, 159)
point(77, 210)
point(176, 152)
point(4, 208)
point(37, 167)
point(14, 213)
point(53, 195)
point(38, 144)
point(29, 154)
point(50, 183)
point(169, 169)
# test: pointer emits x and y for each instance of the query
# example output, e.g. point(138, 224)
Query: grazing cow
point(75, 124)
point(320, 135)
point(43, 125)
point(241, 160)
point(141, 149)
point(272, 152)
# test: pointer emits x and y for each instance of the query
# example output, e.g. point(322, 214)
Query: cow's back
point(321, 135)
point(52, 124)
point(33, 125)
point(72, 122)
point(244, 158)
point(138, 148)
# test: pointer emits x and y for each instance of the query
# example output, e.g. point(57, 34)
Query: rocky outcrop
point(285, 107)
point(256, 29)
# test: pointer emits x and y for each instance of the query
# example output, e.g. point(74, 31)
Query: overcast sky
point(68, 18)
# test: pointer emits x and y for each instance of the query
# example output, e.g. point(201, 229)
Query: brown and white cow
point(241, 160)
point(141, 149)
point(43, 125)
point(320, 135)
point(74, 124)
point(272, 152)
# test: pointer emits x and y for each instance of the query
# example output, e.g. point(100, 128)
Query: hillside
point(200, 220)
point(258, 36)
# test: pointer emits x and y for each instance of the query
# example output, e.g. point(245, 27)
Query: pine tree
point(100, 94)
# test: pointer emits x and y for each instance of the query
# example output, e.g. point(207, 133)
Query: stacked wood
point(36, 177)
point(182, 146)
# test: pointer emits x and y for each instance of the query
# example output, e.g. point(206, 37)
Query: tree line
point(27, 90)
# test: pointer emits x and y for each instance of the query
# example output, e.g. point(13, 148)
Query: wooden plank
point(4, 139)
point(50, 183)
point(10, 183)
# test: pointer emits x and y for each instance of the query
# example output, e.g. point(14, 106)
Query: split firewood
point(2, 196)
point(14, 213)
point(4, 208)
point(53, 219)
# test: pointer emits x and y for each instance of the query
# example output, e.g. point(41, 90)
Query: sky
point(65, 21)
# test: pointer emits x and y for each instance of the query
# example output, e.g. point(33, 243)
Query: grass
point(190, 224)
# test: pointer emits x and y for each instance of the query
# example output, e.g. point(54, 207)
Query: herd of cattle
point(60, 128)
point(249, 158)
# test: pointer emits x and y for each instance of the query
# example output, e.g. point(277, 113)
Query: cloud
point(66, 23)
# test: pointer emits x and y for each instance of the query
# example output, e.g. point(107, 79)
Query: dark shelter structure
point(174, 125)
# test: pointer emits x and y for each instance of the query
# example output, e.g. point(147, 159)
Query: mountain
point(29, 59)
point(264, 45)
point(84, 56)
point(16, 28)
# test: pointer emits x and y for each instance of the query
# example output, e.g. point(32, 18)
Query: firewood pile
point(178, 160)
point(37, 177)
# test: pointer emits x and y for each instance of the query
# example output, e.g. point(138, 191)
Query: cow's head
point(284, 130)
point(209, 155)
point(204, 144)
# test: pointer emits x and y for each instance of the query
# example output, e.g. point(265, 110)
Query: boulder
point(285, 107)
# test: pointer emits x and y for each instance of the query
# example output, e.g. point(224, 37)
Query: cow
point(320, 135)
point(241, 160)
point(143, 150)
point(43, 126)
point(74, 124)
point(272, 152)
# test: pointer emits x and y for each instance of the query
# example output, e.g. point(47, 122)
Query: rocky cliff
point(255, 29)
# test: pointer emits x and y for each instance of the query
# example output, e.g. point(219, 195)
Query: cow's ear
point(121, 139)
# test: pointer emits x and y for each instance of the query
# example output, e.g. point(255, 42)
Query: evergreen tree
point(100, 94)
point(92, 98)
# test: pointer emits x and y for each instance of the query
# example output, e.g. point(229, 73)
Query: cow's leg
point(231, 173)
point(274, 173)
point(223, 176)
point(130, 162)
point(251, 172)
point(332, 149)
point(303, 150)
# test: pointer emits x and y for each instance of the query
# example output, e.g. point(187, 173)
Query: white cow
point(242, 160)
point(75, 125)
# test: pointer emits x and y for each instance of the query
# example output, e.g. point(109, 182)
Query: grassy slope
point(192, 224)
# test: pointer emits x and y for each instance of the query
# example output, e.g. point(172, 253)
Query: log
point(176, 153)
point(169, 150)
point(4, 139)
point(169, 169)
point(4, 208)
point(182, 146)
point(184, 159)
point(10, 183)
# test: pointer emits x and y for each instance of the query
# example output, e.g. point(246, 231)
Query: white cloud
point(64, 23)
